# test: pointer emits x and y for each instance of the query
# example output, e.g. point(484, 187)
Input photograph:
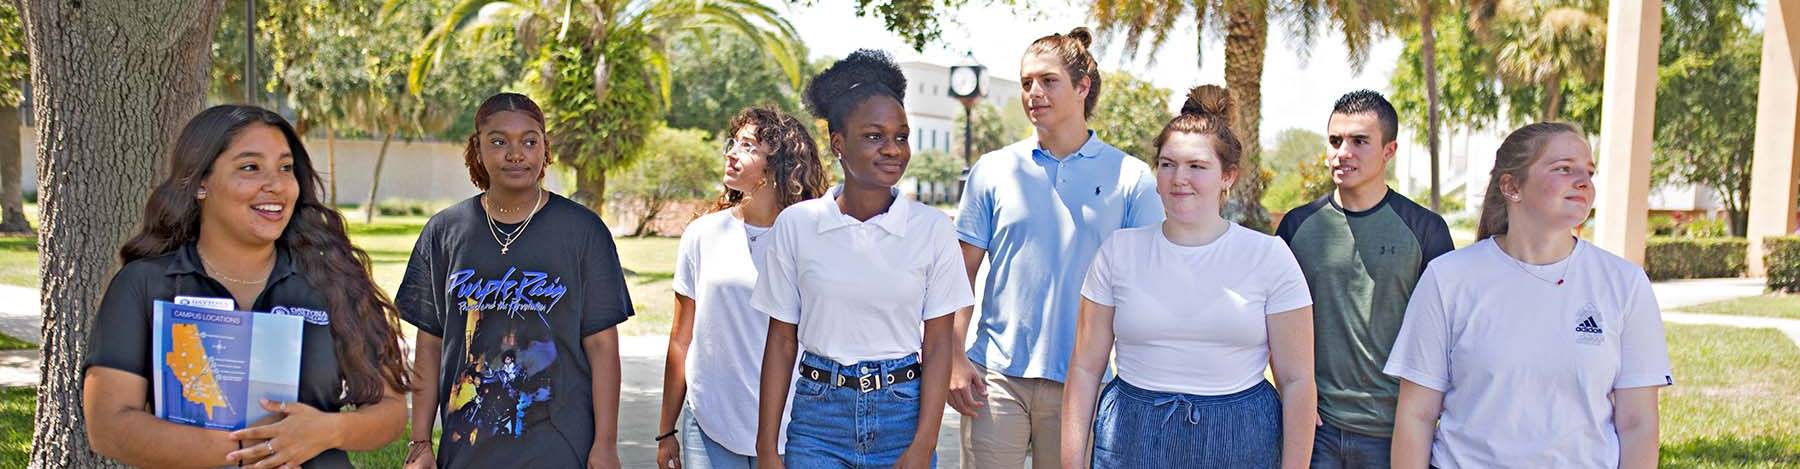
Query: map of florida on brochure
point(213, 365)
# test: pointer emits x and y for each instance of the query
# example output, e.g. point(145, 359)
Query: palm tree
point(600, 38)
point(1546, 44)
point(1246, 26)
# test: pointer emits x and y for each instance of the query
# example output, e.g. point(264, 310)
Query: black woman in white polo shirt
point(863, 282)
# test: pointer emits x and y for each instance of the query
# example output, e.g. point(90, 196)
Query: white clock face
point(962, 82)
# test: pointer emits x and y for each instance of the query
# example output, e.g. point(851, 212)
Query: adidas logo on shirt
point(1588, 326)
point(1588, 331)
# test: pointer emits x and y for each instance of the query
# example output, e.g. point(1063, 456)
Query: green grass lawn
point(1775, 305)
point(649, 263)
point(19, 260)
point(16, 408)
point(8, 342)
point(1734, 403)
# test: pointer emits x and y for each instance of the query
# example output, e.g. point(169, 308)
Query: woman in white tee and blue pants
point(1195, 308)
point(864, 282)
point(714, 365)
point(1531, 348)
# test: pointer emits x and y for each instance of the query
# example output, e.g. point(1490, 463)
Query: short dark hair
point(1361, 101)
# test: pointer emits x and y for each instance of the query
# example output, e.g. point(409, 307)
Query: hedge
point(1781, 255)
point(1671, 258)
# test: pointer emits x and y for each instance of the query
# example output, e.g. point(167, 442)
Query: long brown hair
point(364, 321)
point(1514, 158)
point(1071, 50)
point(793, 167)
point(1207, 111)
point(495, 104)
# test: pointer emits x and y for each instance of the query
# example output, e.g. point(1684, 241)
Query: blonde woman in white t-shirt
point(1531, 348)
point(1195, 308)
point(716, 340)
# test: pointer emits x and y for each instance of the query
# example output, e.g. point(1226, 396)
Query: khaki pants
point(1021, 416)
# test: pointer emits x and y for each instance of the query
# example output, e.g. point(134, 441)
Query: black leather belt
point(864, 383)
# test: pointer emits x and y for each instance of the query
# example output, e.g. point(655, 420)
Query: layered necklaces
point(503, 237)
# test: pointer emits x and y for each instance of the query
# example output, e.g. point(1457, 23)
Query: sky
point(1296, 92)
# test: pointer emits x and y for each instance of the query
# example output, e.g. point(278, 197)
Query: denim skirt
point(1137, 427)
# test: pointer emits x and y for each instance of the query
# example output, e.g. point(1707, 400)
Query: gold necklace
point(214, 273)
point(494, 227)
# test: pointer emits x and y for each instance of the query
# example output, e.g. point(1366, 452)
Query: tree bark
point(12, 198)
point(1246, 40)
point(331, 162)
point(375, 180)
point(112, 87)
point(1428, 49)
point(590, 188)
point(1553, 98)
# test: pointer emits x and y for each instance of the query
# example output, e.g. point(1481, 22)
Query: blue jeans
point(699, 451)
point(1335, 448)
point(1137, 427)
point(843, 427)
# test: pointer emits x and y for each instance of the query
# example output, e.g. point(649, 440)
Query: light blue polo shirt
point(1041, 221)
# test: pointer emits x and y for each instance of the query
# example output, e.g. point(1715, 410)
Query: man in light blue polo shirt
point(1038, 210)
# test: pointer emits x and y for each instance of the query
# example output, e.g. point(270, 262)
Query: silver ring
point(269, 445)
point(284, 407)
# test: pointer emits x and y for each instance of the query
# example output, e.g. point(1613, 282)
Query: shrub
point(1663, 225)
point(1781, 255)
point(1671, 258)
point(1707, 228)
point(403, 208)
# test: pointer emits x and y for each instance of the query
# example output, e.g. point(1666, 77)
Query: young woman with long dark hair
point(238, 220)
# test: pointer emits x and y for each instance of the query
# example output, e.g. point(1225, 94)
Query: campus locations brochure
point(213, 365)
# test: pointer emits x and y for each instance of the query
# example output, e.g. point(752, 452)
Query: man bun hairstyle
point(866, 73)
point(1208, 111)
point(1071, 50)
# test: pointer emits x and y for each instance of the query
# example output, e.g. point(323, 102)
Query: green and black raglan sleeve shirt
point(1361, 268)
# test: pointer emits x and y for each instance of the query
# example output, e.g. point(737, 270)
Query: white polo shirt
point(1194, 319)
point(716, 267)
point(861, 290)
point(1527, 367)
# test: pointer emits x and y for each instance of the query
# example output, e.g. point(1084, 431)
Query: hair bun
point(1082, 35)
point(863, 68)
point(1209, 101)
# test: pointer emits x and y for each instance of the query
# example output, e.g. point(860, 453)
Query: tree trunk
point(111, 88)
point(12, 199)
point(331, 162)
point(1246, 40)
point(590, 187)
point(1428, 43)
point(375, 180)
point(652, 209)
point(1553, 99)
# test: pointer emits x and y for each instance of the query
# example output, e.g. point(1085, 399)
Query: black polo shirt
point(120, 338)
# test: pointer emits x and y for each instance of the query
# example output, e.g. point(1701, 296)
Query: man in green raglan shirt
point(1362, 248)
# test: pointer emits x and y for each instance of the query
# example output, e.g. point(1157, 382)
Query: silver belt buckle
point(868, 383)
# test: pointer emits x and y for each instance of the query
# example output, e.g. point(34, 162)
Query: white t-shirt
point(1527, 367)
point(716, 267)
point(858, 290)
point(1193, 319)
